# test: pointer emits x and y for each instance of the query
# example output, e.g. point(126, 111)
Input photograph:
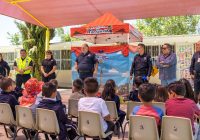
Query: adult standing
point(195, 70)
point(23, 67)
point(48, 67)
point(86, 63)
point(166, 64)
point(142, 64)
point(4, 68)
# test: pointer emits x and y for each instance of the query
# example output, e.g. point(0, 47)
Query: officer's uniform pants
point(84, 75)
point(197, 85)
point(47, 79)
point(22, 79)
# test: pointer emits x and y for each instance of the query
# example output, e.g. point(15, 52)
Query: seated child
point(95, 104)
point(7, 95)
point(146, 94)
point(77, 89)
point(133, 96)
point(161, 94)
point(189, 91)
point(32, 89)
point(109, 94)
point(58, 96)
point(178, 105)
point(50, 102)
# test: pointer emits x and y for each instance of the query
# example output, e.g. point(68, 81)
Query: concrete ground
point(65, 93)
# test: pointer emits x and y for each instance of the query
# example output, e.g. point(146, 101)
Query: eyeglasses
point(164, 48)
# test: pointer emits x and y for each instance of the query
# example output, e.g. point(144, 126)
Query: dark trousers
point(84, 75)
point(111, 126)
point(121, 115)
point(22, 79)
point(197, 86)
point(47, 79)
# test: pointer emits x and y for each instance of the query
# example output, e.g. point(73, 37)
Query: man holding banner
point(86, 63)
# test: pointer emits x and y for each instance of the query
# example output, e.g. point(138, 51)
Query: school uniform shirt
point(9, 98)
point(149, 110)
point(182, 107)
point(77, 95)
point(48, 65)
point(53, 104)
point(97, 105)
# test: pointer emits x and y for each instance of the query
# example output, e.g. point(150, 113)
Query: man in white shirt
point(94, 104)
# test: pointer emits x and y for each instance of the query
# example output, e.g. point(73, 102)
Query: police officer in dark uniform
point(142, 64)
point(195, 70)
point(4, 68)
point(86, 63)
point(48, 67)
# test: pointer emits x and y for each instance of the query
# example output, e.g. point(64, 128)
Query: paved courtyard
point(65, 93)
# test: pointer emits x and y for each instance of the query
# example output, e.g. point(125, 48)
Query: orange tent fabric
point(105, 22)
point(106, 49)
point(106, 29)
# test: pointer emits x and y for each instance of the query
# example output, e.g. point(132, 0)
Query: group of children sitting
point(178, 97)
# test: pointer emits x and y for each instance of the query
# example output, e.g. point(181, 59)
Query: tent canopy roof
point(105, 20)
point(58, 13)
point(107, 29)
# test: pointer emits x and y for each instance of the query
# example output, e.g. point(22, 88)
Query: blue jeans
point(167, 82)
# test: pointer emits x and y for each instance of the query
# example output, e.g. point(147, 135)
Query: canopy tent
point(107, 29)
point(58, 13)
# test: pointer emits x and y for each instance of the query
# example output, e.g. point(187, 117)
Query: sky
point(7, 25)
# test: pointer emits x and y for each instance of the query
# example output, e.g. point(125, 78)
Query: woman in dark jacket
point(4, 68)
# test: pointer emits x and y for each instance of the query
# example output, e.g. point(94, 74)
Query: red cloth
point(32, 88)
point(106, 49)
point(182, 107)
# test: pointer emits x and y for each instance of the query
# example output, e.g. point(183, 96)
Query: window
point(63, 59)
point(9, 58)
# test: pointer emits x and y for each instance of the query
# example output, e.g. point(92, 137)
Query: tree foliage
point(176, 25)
point(33, 40)
point(64, 37)
point(14, 38)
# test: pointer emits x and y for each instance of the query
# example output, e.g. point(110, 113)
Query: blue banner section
point(111, 66)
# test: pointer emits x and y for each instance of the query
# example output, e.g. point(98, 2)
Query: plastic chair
point(111, 105)
point(161, 105)
point(176, 128)
point(143, 128)
point(25, 120)
point(46, 122)
point(89, 125)
point(130, 106)
point(7, 118)
point(73, 108)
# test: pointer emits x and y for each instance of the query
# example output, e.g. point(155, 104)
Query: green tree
point(14, 38)
point(33, 40)
point(64, 37)
point(175, 25)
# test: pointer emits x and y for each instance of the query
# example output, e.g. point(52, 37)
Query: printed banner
point(114, 66)
point(99, 30)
